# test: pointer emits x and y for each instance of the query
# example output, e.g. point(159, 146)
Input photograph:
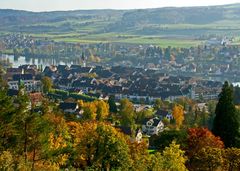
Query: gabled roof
point(75, 66)
point(125, 130)
point(65, 106)
point(63, 81)
point(62, 67)
point(17, 70)
point(18, 77)
point(162, 113)
point(81, 70)
point(155, 121)
point(12, 92)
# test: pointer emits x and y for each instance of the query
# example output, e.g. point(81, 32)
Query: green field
point(175, 27)
point(120, 38)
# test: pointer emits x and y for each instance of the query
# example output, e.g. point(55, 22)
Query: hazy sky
point(52, 5)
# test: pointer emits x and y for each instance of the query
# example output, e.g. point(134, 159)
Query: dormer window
point(149, 123)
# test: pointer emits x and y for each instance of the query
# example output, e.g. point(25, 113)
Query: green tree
point(7, 128)
point(173, 158)
point(166, 137)
point(126, 113)
point(237, 95)
point(140, 116)
point(47, 84)
point(226, 123)
point(158, 104)
point(112, 104)
point(211, 106)
point(167, 53)
point(22, 120)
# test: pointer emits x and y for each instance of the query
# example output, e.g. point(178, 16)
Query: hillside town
point(119, 88)
point(214, 59)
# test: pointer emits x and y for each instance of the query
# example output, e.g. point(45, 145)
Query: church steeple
point(83, 59)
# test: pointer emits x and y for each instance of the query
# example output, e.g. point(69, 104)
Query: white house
point(152, 126)
point(30, 85)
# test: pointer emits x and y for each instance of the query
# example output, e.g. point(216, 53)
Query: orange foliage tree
point(198, 139)
point(202, 137)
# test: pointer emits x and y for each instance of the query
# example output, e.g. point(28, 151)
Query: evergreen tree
point(112, 104)
point(226, 123)
point(7, 130)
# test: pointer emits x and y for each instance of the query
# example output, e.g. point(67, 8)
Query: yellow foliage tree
point(89, 111)
point(173, 158)
point(6, 161)
point(98, 146)
point(96, 110)
point(58, 140)
point(178, 115)
point(102, 110)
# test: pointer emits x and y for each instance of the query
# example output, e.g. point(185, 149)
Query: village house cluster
point(136, 84)
point(139, 85)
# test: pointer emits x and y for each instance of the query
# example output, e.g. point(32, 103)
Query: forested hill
point(145, 21)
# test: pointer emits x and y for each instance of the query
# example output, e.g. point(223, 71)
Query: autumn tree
point(188, 104)
point(178, 115)
point(208, 159)
point(99, 146)
point(155, 162)
point(96, 110)
point(126, 111)
point(227, 122)
point(58, 142)
point(89, 111)
point(139, 155)
point(199, 138)
point(231, 157)
point(202, 137)
point(6, 161)
point(173, 158)
point(102, 110)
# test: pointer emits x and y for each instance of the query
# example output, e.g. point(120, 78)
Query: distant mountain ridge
point(143, 21)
